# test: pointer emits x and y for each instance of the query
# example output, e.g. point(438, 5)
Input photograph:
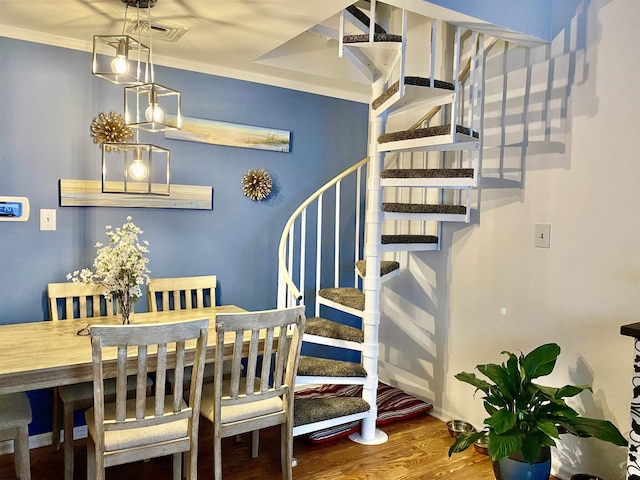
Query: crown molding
point(355, 94)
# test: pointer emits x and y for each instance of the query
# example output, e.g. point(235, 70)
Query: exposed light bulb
point(120, 65)
point(154, 113)
point(138, 170)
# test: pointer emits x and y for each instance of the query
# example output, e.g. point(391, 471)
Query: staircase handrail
point(282, 265)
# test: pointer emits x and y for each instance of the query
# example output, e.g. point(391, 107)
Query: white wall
point(526, 16)
point(560, 148)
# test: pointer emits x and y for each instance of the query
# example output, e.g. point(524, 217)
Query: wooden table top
point(48, 354)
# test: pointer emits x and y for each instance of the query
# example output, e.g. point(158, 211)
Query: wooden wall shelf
point(88, 193)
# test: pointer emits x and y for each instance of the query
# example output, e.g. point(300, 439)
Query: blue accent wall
point(48, 99)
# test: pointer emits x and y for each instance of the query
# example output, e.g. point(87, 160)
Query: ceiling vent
point(169, 32)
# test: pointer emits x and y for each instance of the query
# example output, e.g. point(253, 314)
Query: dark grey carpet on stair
point(427, 173)
point(408, 239)
point(349, 297)
point(415, 81)
point(423, 132)
point(386, 266)
point(326, 328)
point(393, 405)
point(311, 410)
point(364, 18)
point(421, 208)
point(325, 367)
point(378, 37)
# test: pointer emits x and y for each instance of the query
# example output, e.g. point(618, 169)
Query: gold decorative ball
point(256, 184)
point(110, 129)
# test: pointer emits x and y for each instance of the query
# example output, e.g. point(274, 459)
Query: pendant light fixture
point(139, 168)
point(151, 106)
point(121, 59)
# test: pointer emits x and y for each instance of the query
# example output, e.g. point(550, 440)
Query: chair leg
point(95, 461)
point(68, 440)
point(57, 419)
point(91, 458)
point(286, 451)
point(217, 456)
point(21, 453)
point(191, 461)
point(255, 443)
point(177, 466)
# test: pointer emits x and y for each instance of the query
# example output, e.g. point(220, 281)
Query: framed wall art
point(231, 135)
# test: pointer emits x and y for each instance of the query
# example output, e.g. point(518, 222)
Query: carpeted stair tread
point(312, 410)
point(427, 173)
point(386, 266)
point(424, 208)
point(408, 239)
point(415, 81)
point(326, 328)
point(364, 18)
point(326, 367)
point(423, 132)
point(349, 297)
point(378, 37)
point(393, 405)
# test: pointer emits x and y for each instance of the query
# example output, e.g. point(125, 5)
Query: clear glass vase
point(125, 307)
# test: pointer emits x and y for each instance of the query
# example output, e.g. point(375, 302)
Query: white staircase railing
point(294, 259)
point(326, 233)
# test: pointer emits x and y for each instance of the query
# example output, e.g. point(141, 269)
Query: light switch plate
point(543, 235)
point(47, 219)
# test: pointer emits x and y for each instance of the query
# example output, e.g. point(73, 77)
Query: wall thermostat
point(14, 209)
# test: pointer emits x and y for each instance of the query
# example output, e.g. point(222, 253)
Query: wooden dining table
point(49, 354)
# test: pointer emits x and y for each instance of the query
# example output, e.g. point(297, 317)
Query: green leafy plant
point(525, 416)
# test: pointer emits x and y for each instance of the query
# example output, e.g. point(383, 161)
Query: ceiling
point(288, 43)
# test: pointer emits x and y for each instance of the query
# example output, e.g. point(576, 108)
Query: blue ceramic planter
point(516, 468)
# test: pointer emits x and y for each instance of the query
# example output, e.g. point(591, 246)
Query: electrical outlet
point(543, 235)
point(47, 219)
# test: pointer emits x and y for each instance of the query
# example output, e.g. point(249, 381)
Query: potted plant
point(526, 418)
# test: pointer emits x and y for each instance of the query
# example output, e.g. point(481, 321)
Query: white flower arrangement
point(120, 267)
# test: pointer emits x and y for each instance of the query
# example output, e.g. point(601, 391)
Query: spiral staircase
point(422, 166)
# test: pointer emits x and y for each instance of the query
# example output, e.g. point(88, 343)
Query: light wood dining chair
point(264, 397)
point(15, 417)
point(183, 293)
point(75, 301)
point(130, 430)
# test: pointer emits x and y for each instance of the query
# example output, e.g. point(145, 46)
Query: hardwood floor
point(417, 449)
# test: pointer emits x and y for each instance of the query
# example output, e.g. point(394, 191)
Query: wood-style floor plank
point(416, 449)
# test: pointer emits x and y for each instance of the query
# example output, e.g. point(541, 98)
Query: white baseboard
point(42, 440)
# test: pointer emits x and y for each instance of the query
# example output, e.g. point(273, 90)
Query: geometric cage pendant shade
point(152, 107)
point(138, 168)
point(120, 59)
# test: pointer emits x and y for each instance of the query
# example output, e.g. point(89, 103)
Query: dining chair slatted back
point(264, 396)
point(130, 430)
point(73, 301)
point(181, 293)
